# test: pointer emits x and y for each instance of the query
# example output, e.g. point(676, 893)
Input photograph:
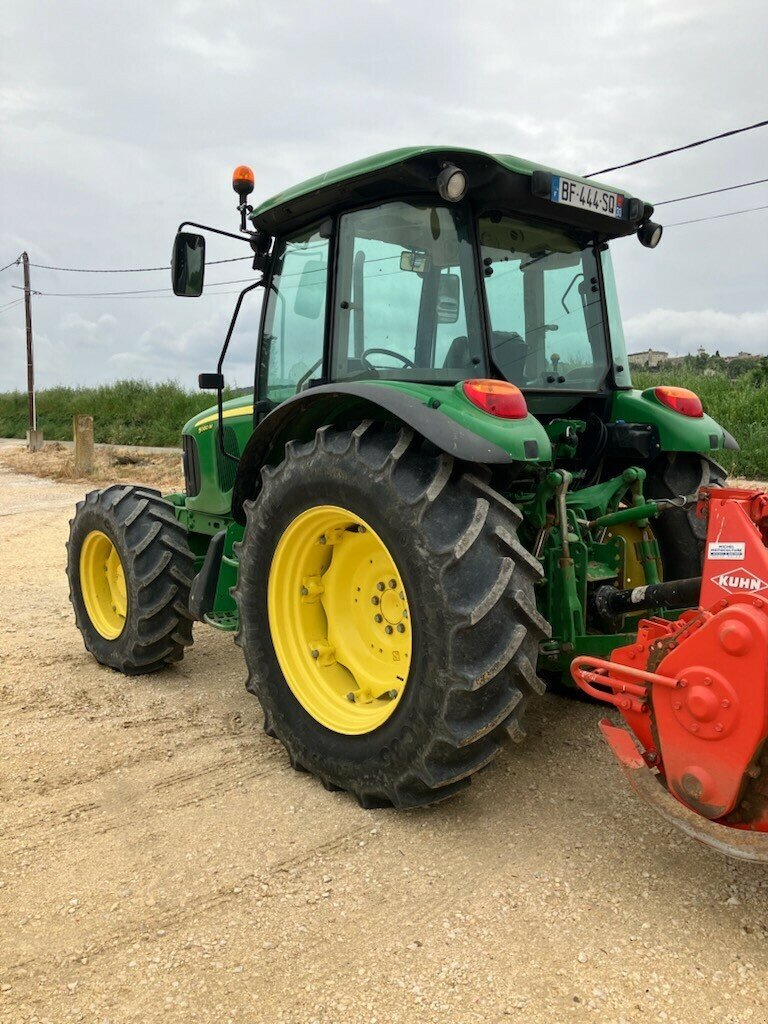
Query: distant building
point(648, 360)
point(741, 355)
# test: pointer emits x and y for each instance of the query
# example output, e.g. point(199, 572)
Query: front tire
point(470, 634)
point(130, 570)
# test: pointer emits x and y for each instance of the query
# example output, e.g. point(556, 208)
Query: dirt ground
point(160, 861)
point(158, 467)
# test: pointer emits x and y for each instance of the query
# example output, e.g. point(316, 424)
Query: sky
point(120, 120)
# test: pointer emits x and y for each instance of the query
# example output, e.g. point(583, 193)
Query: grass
point(128, 412)
point(139, 413)
point(740, 404)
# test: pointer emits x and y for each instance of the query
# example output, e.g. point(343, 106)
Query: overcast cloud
point(119, 120)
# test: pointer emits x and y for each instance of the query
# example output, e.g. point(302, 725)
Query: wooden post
point(34, 436)
point(82, 432)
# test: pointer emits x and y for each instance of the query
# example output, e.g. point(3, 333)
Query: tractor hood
point(495, 181)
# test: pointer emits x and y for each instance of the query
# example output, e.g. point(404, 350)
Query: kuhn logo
point(739, 581)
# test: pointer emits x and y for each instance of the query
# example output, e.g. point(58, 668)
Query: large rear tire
point(680, 533)
point(462, 614)
point(130, 570)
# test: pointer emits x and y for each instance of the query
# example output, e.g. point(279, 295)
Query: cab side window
point(294, 324)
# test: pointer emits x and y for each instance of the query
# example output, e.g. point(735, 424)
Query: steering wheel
point(385, 352)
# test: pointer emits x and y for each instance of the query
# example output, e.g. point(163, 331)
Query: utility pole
point(34, 436)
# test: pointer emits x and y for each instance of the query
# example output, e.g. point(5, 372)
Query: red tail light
point(681, 400)
point(497, 397)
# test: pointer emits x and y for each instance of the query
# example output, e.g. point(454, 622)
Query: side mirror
point(448, 292)
point(310, 293)
point(188, 264)
point(415, 261)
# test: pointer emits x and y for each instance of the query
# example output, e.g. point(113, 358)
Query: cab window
point(294, 322)
point(406, 304)
point(547, 319)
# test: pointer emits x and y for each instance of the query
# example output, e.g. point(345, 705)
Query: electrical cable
point(712, 192)
point(127, 270)
point(13, 263)
point(678, 149)
point(715, 216)
point(138, 291)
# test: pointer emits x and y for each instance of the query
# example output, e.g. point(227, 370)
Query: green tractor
point(443, 489)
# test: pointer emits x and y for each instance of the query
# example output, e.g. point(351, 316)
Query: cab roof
point(496, 181)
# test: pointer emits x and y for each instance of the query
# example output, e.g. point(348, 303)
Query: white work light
point(452, 183)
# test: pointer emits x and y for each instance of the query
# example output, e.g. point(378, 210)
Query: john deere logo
point(739, 581)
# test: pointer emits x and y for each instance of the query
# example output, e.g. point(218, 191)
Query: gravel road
point(160, 861)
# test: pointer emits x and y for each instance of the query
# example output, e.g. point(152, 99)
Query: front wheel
point(387, 615)
point(130, 571)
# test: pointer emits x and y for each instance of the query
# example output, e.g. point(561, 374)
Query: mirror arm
point(220, 364)
point(216, 231)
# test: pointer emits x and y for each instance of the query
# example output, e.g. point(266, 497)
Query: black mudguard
point(299, 417)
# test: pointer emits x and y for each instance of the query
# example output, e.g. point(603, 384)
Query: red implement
point(695, 691)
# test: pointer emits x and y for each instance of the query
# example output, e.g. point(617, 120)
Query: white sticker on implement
point(727, 551)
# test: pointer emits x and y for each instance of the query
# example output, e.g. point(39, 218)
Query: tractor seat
point(458, 356)
point(509, 352)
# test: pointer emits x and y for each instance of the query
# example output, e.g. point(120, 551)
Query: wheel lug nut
point(374, 600)
point(322, 540)
point(402, 595)
point(405, 614)
point(351, 698)
point(315, 654)
point(379, 586)
point(377, 618)
point(387, 629)
point(400, 627)
point(304, 591)
point(391, 694)
point(393, 584)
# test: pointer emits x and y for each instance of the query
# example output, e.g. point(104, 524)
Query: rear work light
point(681, 400)
point(497, 398)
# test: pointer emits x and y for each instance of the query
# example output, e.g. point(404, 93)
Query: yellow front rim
point(339, 620)
point(102, 582)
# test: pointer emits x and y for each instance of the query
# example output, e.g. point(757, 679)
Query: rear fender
point(452, 425)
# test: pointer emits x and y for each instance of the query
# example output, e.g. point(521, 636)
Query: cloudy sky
point(119, 120)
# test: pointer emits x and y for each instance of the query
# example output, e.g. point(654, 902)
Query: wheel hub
point(102, 582)
point(339, 619)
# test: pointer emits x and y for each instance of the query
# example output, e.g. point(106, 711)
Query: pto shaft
point(611, 602)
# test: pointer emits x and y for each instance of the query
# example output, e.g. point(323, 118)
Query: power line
point(679, 149)
point(127, 270)
point(138, 291)
point(10, 305)
point(715, 216)
point(712, 192)
point(13, 263)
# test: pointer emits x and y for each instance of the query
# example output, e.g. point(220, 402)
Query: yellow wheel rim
point(339, 620)
point(632, 569)
point(102, 582)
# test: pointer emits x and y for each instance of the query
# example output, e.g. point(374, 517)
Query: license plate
point(587, 197)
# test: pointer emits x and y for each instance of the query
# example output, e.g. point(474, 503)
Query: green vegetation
point(739, 403)
point(137, 412)
point(128, 412)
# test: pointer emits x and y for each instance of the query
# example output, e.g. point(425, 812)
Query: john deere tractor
point(444, 495)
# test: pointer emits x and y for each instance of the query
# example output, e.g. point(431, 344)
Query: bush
point(740, 404)
point(137, 412)
point(128, 412)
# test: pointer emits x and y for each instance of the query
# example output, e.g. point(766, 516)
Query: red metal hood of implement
point(695, 691)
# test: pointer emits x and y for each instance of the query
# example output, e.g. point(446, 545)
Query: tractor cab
point(433, 266)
